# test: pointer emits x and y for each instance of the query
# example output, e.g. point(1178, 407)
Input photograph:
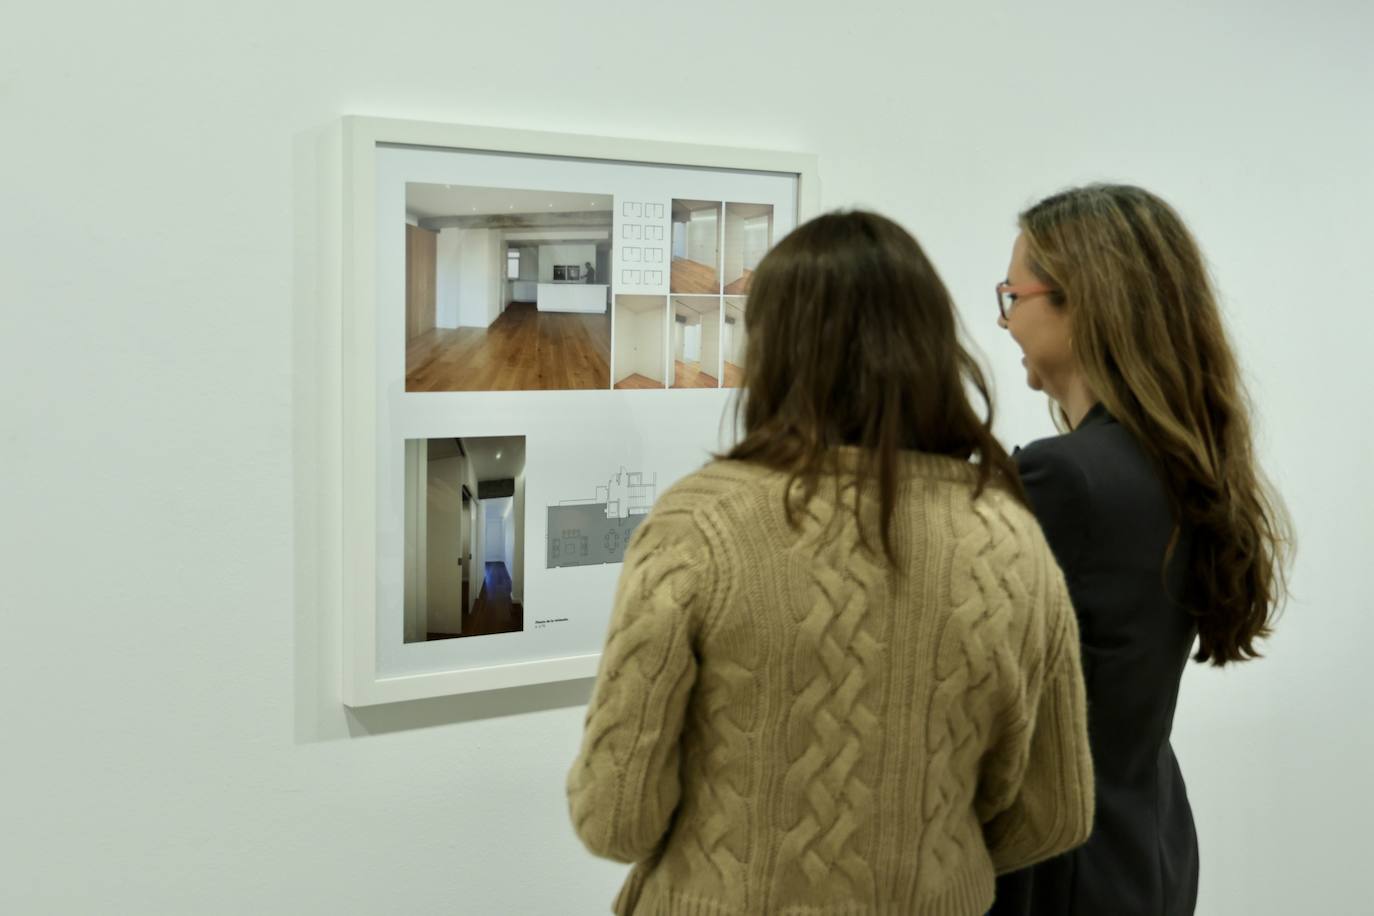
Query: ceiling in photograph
point(496, 457)
point(748, 211)
point(492, 457)
point(638, 303)
point(696, 305)
point(432, 201)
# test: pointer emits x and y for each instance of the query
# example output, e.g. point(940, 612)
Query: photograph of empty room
point(640, 341)
point(507, 289)
point(695, 342)
point(464, 537)
point(748, 236)
point(696, 247)
point(733, 342)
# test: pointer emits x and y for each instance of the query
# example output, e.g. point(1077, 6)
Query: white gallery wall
point(174, 741)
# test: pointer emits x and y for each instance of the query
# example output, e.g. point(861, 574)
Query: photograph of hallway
point(507, 289)
point(695, 342)
point(696, 247)
point(464, 537)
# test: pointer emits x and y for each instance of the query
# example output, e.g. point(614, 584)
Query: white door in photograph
point(444, 546)
point(691, 343)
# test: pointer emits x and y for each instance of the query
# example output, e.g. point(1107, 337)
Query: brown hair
point(852, 340)
point(1148, 336)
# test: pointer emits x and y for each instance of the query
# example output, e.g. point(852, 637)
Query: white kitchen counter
point(572, 297)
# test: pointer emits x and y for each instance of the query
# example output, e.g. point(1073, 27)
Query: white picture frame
point(354, 425)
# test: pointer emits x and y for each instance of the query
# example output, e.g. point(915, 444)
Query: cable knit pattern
point(981, 618)
point(784, 724)
point(831, 729)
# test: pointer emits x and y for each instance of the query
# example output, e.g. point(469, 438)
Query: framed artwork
point(502, 431)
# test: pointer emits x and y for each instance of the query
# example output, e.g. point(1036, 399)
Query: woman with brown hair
point(842, 674)
point(1164, 528)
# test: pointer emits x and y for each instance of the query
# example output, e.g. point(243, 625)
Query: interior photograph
point(464, 537)
point(696, 247)
point(733, 342)
point(748, 236)
point(695, 342)
point(506, 289)
point(640, 341)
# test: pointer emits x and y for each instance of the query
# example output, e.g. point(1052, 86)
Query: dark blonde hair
point(1148, 336)
point(852, 340)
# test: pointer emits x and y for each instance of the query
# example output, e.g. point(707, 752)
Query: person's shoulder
point(718, 483)
point(1058, 464)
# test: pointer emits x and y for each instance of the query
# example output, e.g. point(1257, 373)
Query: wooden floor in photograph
point(741, 286)
point(631, 382)
point(692, 277)
point(734, 375)
point(689, 375)
point(523, 350)
point(494, 611)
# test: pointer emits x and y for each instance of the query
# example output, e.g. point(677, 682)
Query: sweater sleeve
point(623, 787)
point(1045, 775)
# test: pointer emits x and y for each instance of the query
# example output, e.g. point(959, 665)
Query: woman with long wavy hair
point(1171, 541)
point(842, 675)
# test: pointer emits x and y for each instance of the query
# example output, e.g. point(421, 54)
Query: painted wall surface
point(710, 343)
point(444, 523)
point(481, 274)
point(757, 231)
point(736, 338)
point(517, 549)
point(448, 255)
point(734, 246)
point(640, 340)
point(703, 238)
point(650, 343)
point(196, 655)
point(496, 511)
point(415, 587)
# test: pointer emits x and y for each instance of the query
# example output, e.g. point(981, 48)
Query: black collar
point(1095, 417)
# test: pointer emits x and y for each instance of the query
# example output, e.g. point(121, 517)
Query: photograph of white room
point(464, 537)
point(733, 342)
point(641, 334)
point(696, 247)
point(748, 236)
point(507, 289)
point(695, 342)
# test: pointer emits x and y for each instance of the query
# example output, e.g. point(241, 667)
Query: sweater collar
point(912, 464)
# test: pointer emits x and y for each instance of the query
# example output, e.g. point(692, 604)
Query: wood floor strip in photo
point(689, 375)
point(691, 277)
point(523, 350)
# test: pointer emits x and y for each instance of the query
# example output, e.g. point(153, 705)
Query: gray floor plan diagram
point(588, 532)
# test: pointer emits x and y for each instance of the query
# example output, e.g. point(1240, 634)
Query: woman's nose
point(1001, 322)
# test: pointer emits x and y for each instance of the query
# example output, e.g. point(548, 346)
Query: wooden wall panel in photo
point(421, 258)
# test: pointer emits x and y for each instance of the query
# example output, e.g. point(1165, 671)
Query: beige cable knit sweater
point(782, 725)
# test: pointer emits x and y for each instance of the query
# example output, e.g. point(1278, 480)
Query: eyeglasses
point(1007, 295)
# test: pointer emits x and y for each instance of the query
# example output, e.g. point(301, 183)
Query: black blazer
point(1107, 516)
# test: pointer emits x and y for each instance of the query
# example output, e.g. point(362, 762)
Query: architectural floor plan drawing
point(587, 532)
